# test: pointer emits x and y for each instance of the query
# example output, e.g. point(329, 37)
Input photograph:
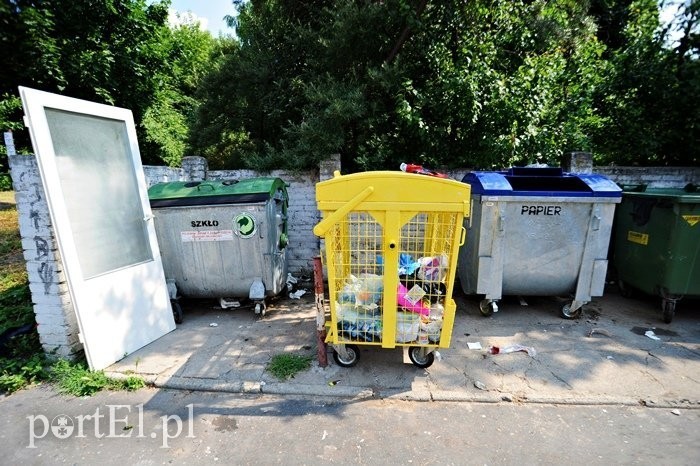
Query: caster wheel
point(177, 311)
point(487, 307)
point(669, 308)
point(419, 358)
point(260, 309)
point(353, 355)
point(567, 313)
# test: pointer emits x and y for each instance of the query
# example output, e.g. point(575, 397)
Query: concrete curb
point(423, 395)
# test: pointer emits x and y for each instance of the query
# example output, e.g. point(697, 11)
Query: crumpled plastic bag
point(513, 349)
point(433, 268)
point(407, 326)
point(432, 323)
point(403, 300)
point(297, 294)
point(363, 290)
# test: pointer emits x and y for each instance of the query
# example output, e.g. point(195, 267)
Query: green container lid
point(215, 192)
point(688, 195)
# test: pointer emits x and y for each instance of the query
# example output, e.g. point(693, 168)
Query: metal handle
point(324, 225)
point(463, 236)
point(199, 186)
point(471, 212)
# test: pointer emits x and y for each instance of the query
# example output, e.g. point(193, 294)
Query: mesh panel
point(426, 242)
point(358, 284)
point(354, 250)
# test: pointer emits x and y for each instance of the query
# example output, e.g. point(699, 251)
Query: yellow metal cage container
point(391, 246)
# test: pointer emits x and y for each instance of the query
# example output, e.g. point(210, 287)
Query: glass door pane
point(101, 191)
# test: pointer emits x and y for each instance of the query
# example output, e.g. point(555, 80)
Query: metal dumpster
point(537, 232)
point(223, 239)
point(657, 244)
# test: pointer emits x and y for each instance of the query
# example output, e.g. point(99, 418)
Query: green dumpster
point(225, 238)
point(657, 244)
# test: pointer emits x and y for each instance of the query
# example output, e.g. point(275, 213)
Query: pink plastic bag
point(419, 307)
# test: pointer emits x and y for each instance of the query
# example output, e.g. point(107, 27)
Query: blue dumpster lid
point(551, 182)
point(216, 192)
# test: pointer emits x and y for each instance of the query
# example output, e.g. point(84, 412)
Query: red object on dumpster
point(419, 169)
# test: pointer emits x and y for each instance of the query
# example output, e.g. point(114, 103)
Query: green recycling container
point(657, 244)
point(223, 238)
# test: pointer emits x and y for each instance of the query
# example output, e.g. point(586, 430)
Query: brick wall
point(653, 177)
point(302, 214)
point(58, 327)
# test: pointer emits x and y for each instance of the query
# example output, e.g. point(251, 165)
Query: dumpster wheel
point(567, 313)
point(420, 356)
point(177, 311)
point(487, 307)
point(350, 358)
point(669, 308)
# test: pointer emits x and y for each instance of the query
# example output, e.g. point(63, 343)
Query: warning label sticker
point(639, 238)
point(691, 219)
point(206, 235)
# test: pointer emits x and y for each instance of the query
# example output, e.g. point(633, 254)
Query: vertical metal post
point(320, 313)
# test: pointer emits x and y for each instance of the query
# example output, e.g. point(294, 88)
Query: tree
point(117, 52)
point(651, 99)
point(481, 83)
point(167, 121)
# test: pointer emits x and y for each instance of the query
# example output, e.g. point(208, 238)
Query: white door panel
point(91, 170)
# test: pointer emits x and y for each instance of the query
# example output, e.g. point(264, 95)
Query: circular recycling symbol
point(245, 225)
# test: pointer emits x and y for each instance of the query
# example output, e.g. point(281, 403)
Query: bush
point(5, 182)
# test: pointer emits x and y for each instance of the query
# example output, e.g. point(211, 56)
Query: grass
point(76, 379)
point(24, 362)
point(283, 366)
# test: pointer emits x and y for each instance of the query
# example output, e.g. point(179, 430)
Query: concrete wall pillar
point(195, 168)
point(577, 162)
point(328, 166)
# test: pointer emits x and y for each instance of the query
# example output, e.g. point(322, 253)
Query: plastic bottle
point(419, 169)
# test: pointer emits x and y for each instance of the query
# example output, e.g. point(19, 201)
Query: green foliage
point(9, 107)
point(22, 362)
point(119, 52)
point(283, 366)
point(166, 122)
point(478, 84)
point(16, 374)
point(482, 83)
point(76, 379)
point(107, 52)
point(651, 98)
point(5, 182)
